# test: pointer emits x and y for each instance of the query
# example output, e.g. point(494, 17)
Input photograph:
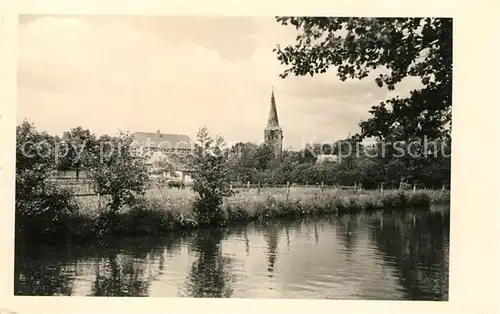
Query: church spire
point(273, 134)
point(272, 122)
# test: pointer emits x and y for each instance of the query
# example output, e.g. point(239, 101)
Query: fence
point(80, 187)
point(258, 185)
point(322, 186)
point(83, 187)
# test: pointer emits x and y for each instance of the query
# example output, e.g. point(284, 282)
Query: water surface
point(399, 256)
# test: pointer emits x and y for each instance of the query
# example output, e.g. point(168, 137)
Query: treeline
point(43, 207)
point(111, 163)
point(390, 165)
point(415, 163)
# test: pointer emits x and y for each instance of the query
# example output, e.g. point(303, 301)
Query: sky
point(179, 73)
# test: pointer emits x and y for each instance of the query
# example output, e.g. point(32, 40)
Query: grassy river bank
point(162, 211)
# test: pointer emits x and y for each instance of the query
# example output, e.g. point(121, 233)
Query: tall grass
point(160, 210)
point(251, 206)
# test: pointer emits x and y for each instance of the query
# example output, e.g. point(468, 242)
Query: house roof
point(163, 140)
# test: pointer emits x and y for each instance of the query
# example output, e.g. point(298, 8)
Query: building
point(173, 149)
point(321, 152)
point(273, 134)
point(321, 159)
point(176, 144)
point(71, 174)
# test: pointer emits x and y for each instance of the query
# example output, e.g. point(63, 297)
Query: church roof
point(272, 122)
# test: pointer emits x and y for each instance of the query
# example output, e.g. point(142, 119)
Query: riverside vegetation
point(164, 211)
point(133, 205)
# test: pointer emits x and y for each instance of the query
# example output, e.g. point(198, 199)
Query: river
point(392, 256)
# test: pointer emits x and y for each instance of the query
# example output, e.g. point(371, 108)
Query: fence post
point(248, 185)
point(98, 202)
point(414, 188)
point(258, 188)
point(287, 189)
point(382, 188)
point(322, 186)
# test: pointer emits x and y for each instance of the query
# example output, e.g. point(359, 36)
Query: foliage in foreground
point(400, 47)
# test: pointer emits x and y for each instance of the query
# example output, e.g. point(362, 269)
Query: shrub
point(117, 172)
point(420, 200)
point(42, 209)
point(210, 180)
point(237, 212)
point(45, 212)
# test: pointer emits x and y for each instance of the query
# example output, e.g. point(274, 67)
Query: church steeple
point(273, 134)
point(273, 122)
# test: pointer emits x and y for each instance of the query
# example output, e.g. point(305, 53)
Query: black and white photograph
point(200, 156)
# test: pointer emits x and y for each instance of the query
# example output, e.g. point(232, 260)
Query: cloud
point(112, 66)
point(176, 74)
point(232, 37)
point(329, 86)
point(352, 90)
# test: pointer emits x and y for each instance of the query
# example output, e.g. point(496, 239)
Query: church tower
point(273, 134)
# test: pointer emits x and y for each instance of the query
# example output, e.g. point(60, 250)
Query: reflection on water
point(210, 274)
point(400, 256)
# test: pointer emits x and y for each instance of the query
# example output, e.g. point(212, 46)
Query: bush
point(420, 200)
point(210, 180)
point(45, 212)
point(42, 209)
point(149, 216)
point(117, 171)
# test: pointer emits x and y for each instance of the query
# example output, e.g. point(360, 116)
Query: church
point(273, 137)
point(273, 134)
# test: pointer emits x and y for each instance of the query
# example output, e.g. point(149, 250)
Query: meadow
point(163, 209)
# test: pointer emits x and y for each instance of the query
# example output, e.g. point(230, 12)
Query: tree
point(308, 154)
point(241, 163)
point(76, 144)
point(210, 178)
point(420, 47)
point(262, 157)
point(116, 171)
point(35, 157)
point(348, 149)
point(41, 207)
point(248, 161)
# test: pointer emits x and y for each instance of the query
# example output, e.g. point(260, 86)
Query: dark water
point(368, 256)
